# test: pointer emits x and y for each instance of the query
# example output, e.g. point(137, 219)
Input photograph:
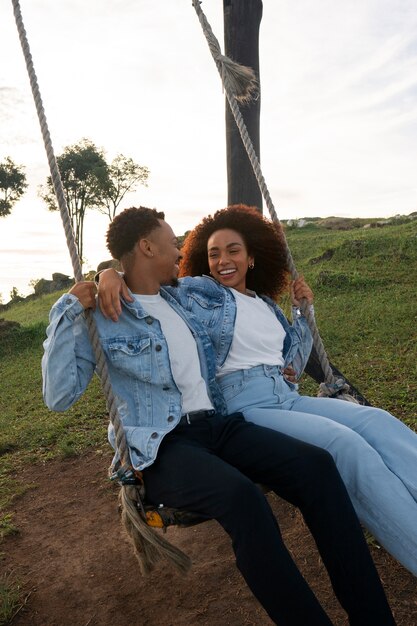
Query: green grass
point(30, 312)
point(365, 301)
point(29, 432)
point(6, 526)
point(11, 598)
point(366, 312)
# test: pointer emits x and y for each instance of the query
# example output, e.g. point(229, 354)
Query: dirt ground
point(78, 568)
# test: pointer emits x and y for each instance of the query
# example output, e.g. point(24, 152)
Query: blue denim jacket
point(215, 307)
point(136, 351)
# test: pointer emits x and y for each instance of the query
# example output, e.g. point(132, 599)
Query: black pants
point(210, 467)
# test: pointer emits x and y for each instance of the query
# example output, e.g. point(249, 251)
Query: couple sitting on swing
point(203, 369)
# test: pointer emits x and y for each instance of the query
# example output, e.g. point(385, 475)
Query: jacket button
point(170, 418)
point(149, 320)
point(158, 348)
point(154, 435)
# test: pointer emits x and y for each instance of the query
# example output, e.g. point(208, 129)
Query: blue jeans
point(375, 453)
point(209, 467)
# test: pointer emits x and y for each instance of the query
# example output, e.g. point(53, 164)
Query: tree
point(15, 296)
point(123, 176)
point(12, 185)
point(89, 182)
point(84, 175)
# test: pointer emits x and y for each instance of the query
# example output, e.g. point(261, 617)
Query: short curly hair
point(264, 240)
point(130, 226)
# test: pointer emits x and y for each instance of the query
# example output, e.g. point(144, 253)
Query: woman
point(375, 453)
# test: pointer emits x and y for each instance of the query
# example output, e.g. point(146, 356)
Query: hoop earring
point(251, 266)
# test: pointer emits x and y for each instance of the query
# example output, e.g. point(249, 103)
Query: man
point(194, 457)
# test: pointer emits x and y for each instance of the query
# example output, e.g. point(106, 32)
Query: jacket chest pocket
point(132, 356)
point(208, 310)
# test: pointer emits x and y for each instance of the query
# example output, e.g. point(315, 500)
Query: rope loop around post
point(330, 380)
point(148, 545)
point(242, 81)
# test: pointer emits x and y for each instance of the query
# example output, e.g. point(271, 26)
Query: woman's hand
point(299, 290)
point(289, 374)
point(111, 288)
point(85, 291)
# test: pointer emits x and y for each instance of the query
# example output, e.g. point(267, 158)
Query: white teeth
point(223, 272)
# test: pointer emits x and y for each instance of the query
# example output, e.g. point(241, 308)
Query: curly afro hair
point(264, 240)
point(129, 226)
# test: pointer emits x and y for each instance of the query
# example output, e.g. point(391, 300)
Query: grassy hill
point(29, 432)
point(365, 287)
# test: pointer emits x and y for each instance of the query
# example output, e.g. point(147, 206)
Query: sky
point(338, 113)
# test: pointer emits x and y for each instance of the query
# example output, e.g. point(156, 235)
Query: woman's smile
point(228, 258)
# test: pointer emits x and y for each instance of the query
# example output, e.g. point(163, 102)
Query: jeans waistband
point(258, 370)
point(195, 416)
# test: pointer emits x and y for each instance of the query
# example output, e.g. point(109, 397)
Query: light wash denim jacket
point(215, 307)
point(136, 351)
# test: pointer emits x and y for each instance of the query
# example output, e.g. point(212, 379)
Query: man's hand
point(111, 288)
point(289, 374)
point(85, 291)
point(299, 290)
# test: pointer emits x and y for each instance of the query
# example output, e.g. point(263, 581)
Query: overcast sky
point(338, 119)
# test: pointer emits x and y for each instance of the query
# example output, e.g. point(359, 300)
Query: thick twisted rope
point(235, 91)
point(149, 546)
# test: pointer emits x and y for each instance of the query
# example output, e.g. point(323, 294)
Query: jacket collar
point(135, 308)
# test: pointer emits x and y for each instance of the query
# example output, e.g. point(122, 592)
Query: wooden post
point(242, 20)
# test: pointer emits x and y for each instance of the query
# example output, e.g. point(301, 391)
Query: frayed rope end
point(241, 80)
point(149, 546)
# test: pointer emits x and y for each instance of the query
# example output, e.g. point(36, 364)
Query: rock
point(57, 277)
point(326, 256)
point(58, 283)
point(105, 265)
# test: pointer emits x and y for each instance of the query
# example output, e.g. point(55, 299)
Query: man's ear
point(145, 246)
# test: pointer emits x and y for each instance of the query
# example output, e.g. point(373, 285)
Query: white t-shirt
point(183, 353)
point(258, 337)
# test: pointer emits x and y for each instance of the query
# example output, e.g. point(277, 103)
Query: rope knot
point(240, 79)
point(329, 389)
point(338, 387)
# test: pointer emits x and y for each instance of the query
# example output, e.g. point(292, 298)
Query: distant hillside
point(349, 223)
